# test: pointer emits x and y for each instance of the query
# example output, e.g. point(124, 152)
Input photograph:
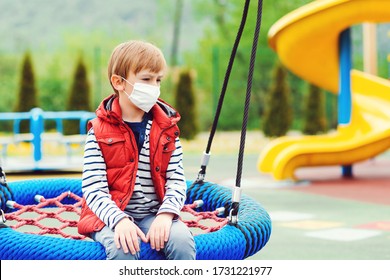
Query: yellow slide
point(306, 42)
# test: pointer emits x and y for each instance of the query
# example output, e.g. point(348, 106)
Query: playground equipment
point(37, 137)
point(246, 231)
point(314, 42)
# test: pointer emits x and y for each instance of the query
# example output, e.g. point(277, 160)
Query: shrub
point(27, 96)
point(186, 104)
point(79, 97)
point(278, 116)
point(314, 112)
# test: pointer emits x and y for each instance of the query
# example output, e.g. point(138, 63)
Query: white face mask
point(144, 96)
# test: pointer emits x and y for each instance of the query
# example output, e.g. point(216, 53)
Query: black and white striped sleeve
point(175, 186)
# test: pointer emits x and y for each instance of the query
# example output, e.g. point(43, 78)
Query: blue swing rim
point(232, 242)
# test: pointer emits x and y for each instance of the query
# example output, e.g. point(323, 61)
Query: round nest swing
point(237, 241)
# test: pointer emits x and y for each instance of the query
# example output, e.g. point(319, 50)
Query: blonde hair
point(133, 57)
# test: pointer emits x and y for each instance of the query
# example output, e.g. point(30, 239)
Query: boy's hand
point(159, 230)
point(126, 236)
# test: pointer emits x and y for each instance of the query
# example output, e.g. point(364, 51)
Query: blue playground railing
point(37, 119)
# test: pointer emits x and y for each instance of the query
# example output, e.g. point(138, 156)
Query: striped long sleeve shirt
point(144, 199)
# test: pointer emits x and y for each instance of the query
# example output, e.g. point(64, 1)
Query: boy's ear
point(117, 82)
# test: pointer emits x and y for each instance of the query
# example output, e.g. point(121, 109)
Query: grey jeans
point(180, 246)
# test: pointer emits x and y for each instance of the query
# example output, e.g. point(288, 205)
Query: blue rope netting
point(229, 243)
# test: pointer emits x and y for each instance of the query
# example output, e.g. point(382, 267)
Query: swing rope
point(206, 155)
point(237, 190)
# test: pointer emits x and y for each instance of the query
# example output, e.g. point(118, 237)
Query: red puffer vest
point(120, 152)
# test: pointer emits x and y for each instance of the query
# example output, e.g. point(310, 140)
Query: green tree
point(298, 89)
point(225, 17)
point(186, 104)
point(27, 96)
point(53, 91)
point(79, 97)
point(315, 121)
point(278, 117)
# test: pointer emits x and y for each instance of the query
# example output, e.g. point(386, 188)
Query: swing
point(241, 227)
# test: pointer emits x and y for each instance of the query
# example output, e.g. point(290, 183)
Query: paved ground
point(320, 217)
point(323, 216)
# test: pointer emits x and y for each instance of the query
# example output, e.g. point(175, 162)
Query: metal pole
point(36, 128)
point(345, 102)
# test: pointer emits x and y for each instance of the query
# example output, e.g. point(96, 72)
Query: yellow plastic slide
point(306, 42)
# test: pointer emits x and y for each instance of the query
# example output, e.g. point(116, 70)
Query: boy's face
point(125, 85)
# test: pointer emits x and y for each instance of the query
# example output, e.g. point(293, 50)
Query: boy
point(133, 179)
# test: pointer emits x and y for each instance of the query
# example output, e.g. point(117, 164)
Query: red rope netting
point(205, 221)
point(22, 217)
point(60, 213)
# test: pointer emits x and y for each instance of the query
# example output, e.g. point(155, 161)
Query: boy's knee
point(113, 253)
point(183, 239)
